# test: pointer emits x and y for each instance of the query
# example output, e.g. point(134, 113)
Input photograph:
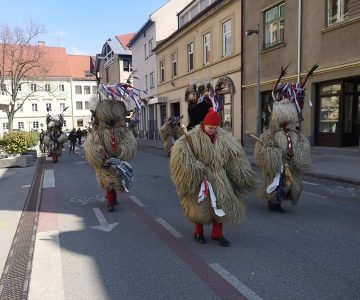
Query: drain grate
point(14, 282)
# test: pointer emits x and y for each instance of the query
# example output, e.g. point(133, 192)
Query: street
point(145, 248)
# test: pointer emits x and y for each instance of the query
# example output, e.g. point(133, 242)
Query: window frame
point(207, 48)
point(173, 65)
point(190, 55)
point(162, 70)
point(152, 80)
point(48, 104)
point(78, 89)
point(61, 87)
point(34, 107)
point(225, 36)
point(341, 15)
point(279, 22)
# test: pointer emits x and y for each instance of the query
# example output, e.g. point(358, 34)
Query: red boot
point(111, 199)
point(199, 234)
point(217, 235)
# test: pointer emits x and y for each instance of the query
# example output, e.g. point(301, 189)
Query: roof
point(124, 39)
point(140, 32)
point(80, 66)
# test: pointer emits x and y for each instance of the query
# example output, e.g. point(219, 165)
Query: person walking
point(79, 135)
point(170, 132)
point(72, 138)
point(210, 158)
point(41, 141)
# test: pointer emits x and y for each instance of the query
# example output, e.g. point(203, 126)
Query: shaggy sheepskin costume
point(169, 133)
point(283, 155)
point(109, 138)
point(226, 168)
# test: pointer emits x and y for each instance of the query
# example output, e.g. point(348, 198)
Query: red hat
point(212, 118)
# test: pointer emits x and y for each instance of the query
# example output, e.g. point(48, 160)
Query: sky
point(80, 26)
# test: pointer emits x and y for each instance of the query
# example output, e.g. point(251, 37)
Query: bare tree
point(21, 64)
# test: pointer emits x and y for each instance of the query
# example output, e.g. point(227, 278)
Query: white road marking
point(310, 183)
point(236, 283)
point(315, 195)
point(49, 179)
point(47, 282)
point(104, 225)
point(137, 201)
point(169, 228)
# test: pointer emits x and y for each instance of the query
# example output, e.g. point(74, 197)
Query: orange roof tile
point(124, 39)
point(79, 64)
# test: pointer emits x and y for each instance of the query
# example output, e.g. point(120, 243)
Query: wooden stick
point(254, 137)
point(188, 139)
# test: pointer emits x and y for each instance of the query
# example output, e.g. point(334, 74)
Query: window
point(6, 125)
point(162, 71)
point(145, 54)
point(64, 123)
point(94, 89)
point(48, 106)
point(226, 111)
point(337, 11)
point(62, 106)
point(87, 105)
point(173, 64)
point(79, 105)
point(329, 108)
point(207, 48)
point(190, 54)
point(61, 88)
point(227, 41)
point(80, 123)
point(274, 25)
point(47, 87)
point(19, 88)
point(152, 80)
point(126, 66)
point(33, 87)
point(146, 82)
point(35, 125)
point(21, 125)
point(87, 89)
point(151, 47)
point(34, 107)
point(78, 89)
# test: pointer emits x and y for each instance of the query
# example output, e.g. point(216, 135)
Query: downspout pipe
point(299, 40)
point(241, 72)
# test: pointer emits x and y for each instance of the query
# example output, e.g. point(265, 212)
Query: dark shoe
point(200, 238)
point(221, 241)
point(111, 207)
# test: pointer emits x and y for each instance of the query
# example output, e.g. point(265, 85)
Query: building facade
point(300, 34)
point(203, 53)
point(159, 26)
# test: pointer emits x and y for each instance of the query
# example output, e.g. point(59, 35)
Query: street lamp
point(258, 104)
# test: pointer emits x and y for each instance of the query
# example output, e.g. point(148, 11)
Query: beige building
point(204, 51)
point(301, 34)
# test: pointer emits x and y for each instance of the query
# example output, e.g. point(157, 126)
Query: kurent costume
point(110, 145)
point(170, 132)
point(54, 138)
point(283, 152)
point(211, 172)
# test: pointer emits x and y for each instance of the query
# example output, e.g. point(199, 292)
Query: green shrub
point(17, 142)
point(34, 138)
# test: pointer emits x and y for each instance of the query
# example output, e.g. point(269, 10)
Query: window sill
point(276, 46)
point(340, 25)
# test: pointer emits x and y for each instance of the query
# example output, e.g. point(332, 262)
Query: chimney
point(41, 43)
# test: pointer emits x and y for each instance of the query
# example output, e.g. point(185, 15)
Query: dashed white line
point(236, 283)
point(137, 201)
point(49, 179)
point(169, 228)
point(310, 183)
point(315, 195)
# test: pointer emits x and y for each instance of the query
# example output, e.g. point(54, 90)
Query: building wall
point(210, 21)
point(332, 48)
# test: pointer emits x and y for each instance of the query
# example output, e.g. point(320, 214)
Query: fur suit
point(109, 138)
point(169, 133)
point(273, 153)
point(227, 169)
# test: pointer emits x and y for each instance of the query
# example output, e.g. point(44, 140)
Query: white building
point(159, 26)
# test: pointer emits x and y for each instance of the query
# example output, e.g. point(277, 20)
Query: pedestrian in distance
point(211, 173)
point(79, 135)
point(41, 141)
point(72, 138)
point(170, 132)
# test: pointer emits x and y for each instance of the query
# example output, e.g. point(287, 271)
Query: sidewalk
point(340, 164)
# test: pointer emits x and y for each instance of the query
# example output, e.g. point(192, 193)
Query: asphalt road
point(145, 248)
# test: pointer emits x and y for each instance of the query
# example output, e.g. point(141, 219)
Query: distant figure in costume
point(109, 147)
point(211, 173)
point(283, 152)
point(170, 132)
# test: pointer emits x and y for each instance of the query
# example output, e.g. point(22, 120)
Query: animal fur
point(227, 169)
point(169, 134)
point(100, 137)
point(271, 152)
